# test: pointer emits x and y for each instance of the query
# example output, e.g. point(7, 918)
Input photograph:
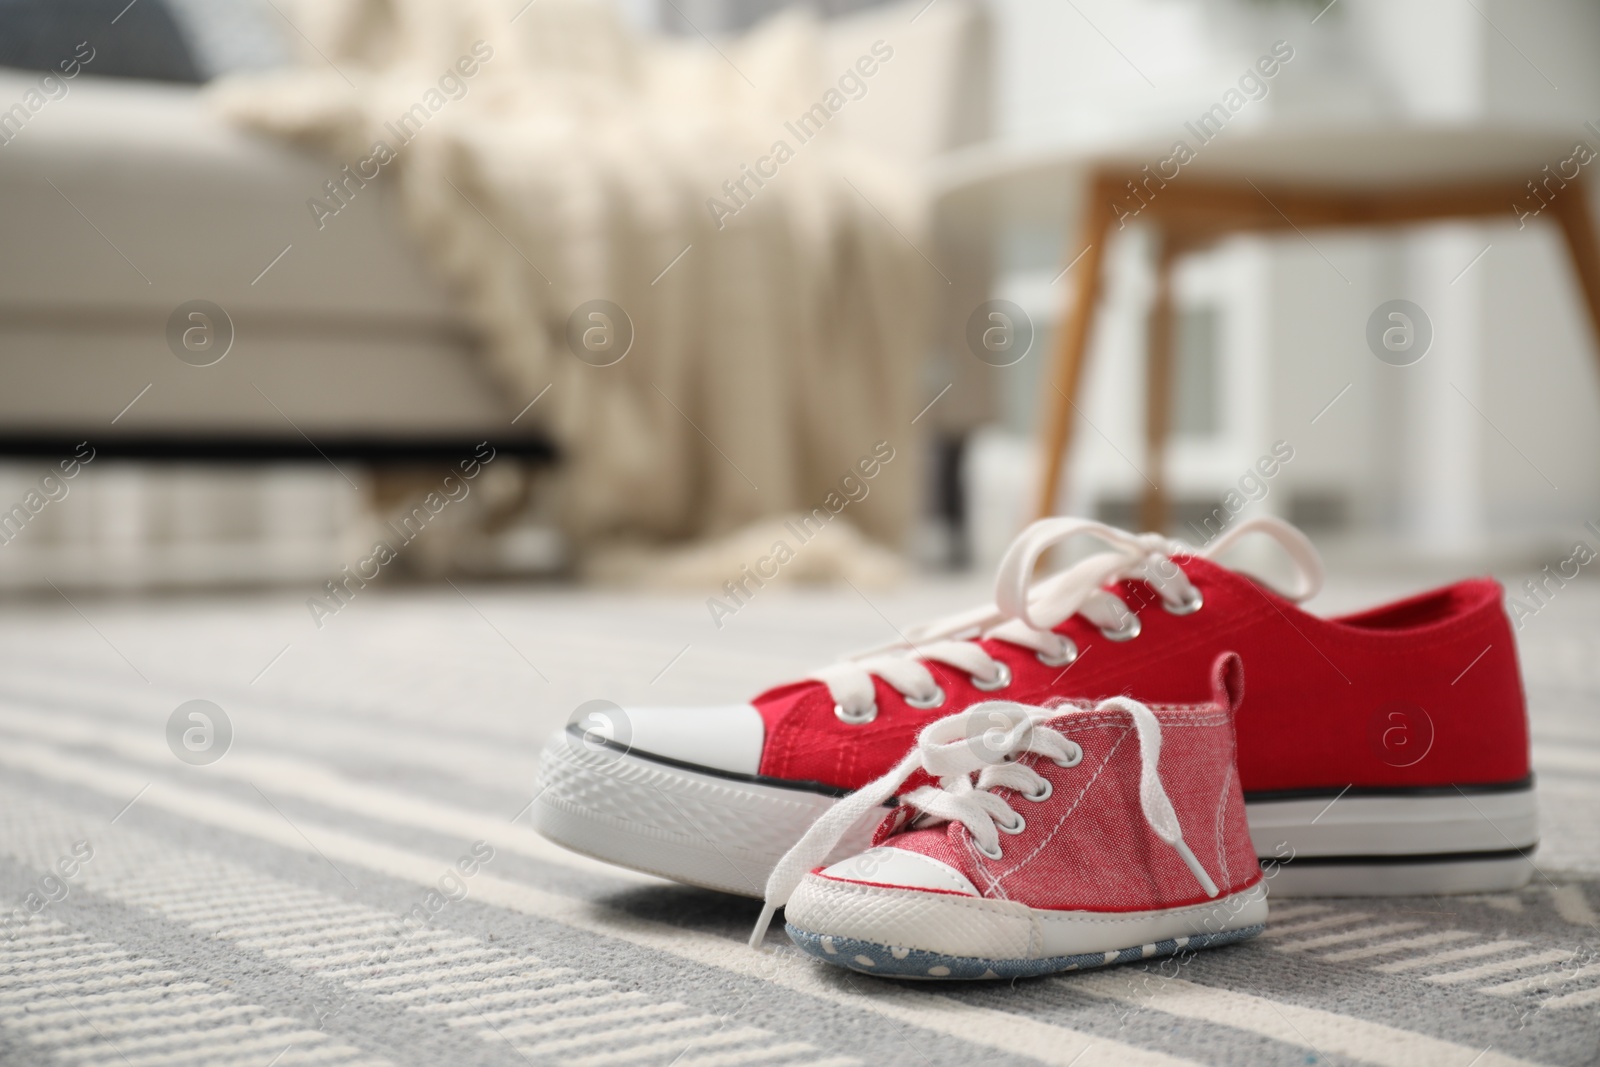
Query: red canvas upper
point(1087, 846)
point(1422, 692)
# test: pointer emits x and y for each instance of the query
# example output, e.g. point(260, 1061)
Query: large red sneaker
point(1054, 839)
point(1382, 752)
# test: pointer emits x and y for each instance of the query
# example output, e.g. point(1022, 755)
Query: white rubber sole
point(690, 826)
point(1397, 845)
point(727, 833)
point(909, 933)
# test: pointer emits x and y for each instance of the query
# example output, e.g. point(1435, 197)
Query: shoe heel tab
point(1227, 681)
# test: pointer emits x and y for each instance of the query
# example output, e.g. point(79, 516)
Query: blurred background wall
point(1401, 464)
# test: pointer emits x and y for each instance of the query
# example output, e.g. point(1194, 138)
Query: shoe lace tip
point(759, 934)
point(1197, 869)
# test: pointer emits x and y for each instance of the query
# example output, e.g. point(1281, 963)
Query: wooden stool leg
point(1158, 392)
point(1060, 398)
point(1577, 226)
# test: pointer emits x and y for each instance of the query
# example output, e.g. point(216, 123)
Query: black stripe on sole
point(1405, 859)
point(1521, 785)
point(590, 739)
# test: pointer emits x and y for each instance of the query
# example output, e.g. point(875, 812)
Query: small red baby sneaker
point(1380, 752)
point(1054, 839)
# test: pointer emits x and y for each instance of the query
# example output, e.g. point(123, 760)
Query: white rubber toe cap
point(726, 738)
point(902, 869)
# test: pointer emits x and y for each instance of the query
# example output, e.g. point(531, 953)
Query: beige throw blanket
point(546, 158)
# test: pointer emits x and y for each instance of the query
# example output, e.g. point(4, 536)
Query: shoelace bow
point(1025, 613)
point(987, 739)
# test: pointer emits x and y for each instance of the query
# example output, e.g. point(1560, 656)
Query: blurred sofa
point(126, 199)
point(129, 199)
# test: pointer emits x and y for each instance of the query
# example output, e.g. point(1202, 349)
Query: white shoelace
point(1025, 613)
point(987, 740)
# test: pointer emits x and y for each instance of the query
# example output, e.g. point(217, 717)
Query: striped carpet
point(355, 880)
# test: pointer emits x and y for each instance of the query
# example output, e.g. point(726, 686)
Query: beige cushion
point(169, 204)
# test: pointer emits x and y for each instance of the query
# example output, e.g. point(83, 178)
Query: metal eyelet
point(856, 717)
point(1015, 828)
point(1126, 632)
point(1001, 679)
point(932, 700)
point(1042, 795)
point(996, 854)
point(1072, 760)
point(1187, 606)
point(1068, 657)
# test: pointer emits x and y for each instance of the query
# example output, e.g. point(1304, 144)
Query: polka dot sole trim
point(870, 958)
